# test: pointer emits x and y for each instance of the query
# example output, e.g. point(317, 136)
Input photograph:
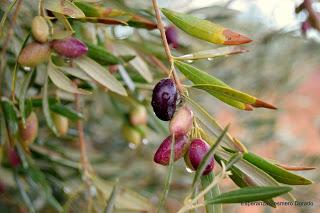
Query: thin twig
point(83, 151)
point(166, 45)
point(7, 41)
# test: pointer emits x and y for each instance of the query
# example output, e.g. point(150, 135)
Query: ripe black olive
point(164, 99)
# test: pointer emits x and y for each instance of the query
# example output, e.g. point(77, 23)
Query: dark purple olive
point(164, 99)
point(172, 36)
point(162, 155)
point(70, 47)
point(197, 150)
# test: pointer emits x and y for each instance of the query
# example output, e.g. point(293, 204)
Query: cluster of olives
point(134, 130)
point(164, 101)
point(39, 51)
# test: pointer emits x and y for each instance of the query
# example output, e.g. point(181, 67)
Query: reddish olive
point(197, 150)
point(162, 155)
point(164, 99)
point(70, 47)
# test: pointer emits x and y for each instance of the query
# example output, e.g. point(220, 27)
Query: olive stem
point(166, 46)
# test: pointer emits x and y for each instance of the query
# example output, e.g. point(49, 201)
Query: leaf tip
point(260, 103)
point(233, 38)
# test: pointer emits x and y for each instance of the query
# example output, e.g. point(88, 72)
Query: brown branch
point(87, 170)
point(166, 45)
point(313, 16)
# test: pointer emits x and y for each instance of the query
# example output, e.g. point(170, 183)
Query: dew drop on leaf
point(210, 59)
point(28, 69)
point(189, 61)
point(188, 170)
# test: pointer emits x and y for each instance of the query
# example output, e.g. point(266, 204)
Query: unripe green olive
point(33, 54)
point(131, 135)
point(138, 115)
point(40, 29)
point(61, 123)
point(29, 133)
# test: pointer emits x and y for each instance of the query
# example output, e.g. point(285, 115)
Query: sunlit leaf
point(62, 81)
point(211, 54)
point(200, 77)
point(204, 29)
point(278, 173)
point(100, 74)
point(249, 194)
point(64, 7)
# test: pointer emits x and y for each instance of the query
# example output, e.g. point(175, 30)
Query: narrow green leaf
point(211, 54)
point(23, 93)
point(64, 7)
point(207, 157)
point(45, 105)
point(252, 174)
point(204, 29)
point(100, 74)
point(200, 77)
point(214, 192)
point(278, 173)
point(241, 179)
point(66, 111)
point(11, 118)
point(62, 81)
point(249, 194)
point(101, 55)
point(227, 92)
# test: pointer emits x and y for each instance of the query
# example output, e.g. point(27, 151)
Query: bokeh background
point(282, 67)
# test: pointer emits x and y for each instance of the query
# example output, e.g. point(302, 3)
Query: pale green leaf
point(100, 74)
point(64, 7)
point(249, 194)
point(63, 82)
point(214, 53)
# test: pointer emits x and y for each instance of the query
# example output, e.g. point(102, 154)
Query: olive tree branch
point(166, 46)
